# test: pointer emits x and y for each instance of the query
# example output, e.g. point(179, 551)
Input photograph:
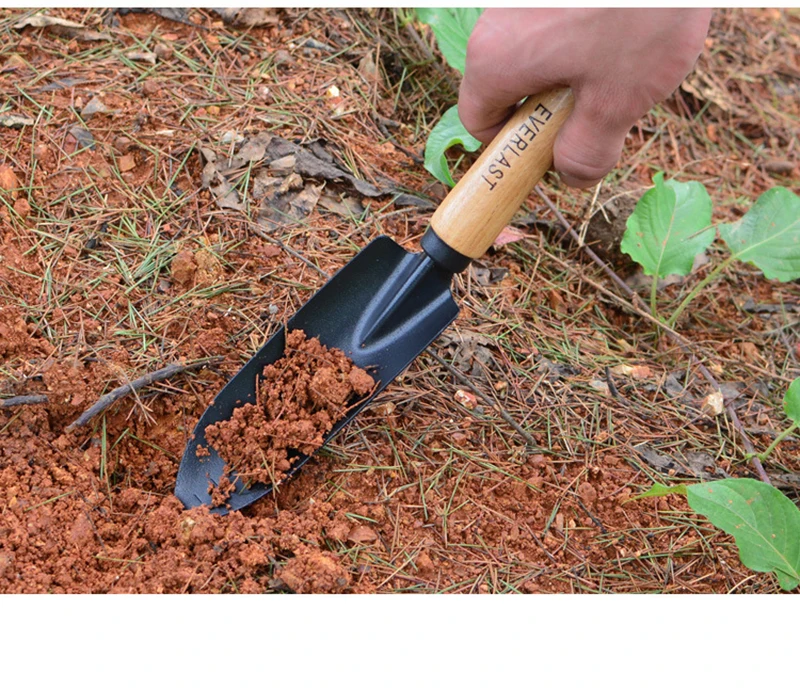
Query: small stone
point(94, 106)
point(183, 267)
point(126, 163)
point(141, 56)
point(150, 87)
point(713, 404)
point(600, 385)
point(22, 208)
point(163, 51)
point(386, 409)
point(466, 399)
point(362, 534)
point(213, 110)
point(231, 137)
point(424, 564)
point(281, 57)
point(635, 372)
point(122, 144)
point(587, 493)
point(8, 181)
point(536, 460)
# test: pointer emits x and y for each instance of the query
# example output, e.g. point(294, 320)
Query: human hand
point(618, 62)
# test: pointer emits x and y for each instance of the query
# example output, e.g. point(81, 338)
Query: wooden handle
point(493, 189)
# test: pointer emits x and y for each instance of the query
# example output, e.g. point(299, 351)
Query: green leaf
point(791, 401)
point(658, 490)
point(448, 132)
point(768, 235)
point(670, 225)
point(452, 27)
point(762, 520)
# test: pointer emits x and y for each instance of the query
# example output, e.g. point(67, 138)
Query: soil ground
point(173, 189)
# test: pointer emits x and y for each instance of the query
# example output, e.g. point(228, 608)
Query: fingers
point(618, 62)
point(589, 145)
point(500, 72)
point(482, 117)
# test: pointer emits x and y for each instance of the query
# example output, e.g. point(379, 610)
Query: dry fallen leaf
point(346, 206)
point(63, 27)
point(750, 352)
point(247, 16)
point(93, 106)
point(509, 235)
point(15, 121)
point(13, 63)
point(368, 69)
point(226, 195)
point(83, 138)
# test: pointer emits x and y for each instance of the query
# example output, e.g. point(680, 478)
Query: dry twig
point(148, 379)
point(22, 399)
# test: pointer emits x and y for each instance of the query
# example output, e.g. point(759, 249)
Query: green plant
point(447, 133)
point(671, 225)
point(791, 407)
point(764, 523)
point(452, 27)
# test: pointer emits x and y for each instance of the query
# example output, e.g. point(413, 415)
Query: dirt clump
point(13, 331)
point(298, 401)
point(311, 570)
point(184, 268)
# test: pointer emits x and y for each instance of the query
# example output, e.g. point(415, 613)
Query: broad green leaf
point(658, 490)
point(762, 520)
point(448, 132)
point(452, 27)
point(791, 401)
point(670, 225)
point(768, 235)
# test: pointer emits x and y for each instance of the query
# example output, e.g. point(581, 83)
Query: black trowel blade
point(382, 309)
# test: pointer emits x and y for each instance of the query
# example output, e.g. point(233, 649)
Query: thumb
point(588, 145)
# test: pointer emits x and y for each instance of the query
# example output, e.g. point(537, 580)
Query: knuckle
point(480, 44)
point(584, 160)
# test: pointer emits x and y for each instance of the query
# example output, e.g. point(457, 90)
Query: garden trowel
point(387, 305)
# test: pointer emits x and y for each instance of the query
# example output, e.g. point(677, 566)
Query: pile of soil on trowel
point(299, 399)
